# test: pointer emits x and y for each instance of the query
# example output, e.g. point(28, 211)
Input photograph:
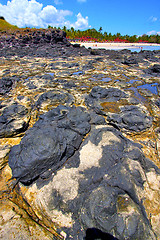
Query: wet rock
point(5, 85)
point(158, 89)
point(103, 190)
point(131, 118)
point(51, 141)
point(100, 95)
point(95, 52)
point(13, 120)
point(54, 98)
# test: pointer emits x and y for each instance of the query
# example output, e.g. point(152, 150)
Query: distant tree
point(72, 29)
point(64, 29)
point(49, 27)
point(100, 29)
point(2, 18)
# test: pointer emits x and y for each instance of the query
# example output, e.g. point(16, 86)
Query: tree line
point(97, 35)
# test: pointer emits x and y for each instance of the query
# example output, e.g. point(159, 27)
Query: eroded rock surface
point(53, 98)
point(52, 140)
point(103, 186)
point(13, 120)
point(132, 118)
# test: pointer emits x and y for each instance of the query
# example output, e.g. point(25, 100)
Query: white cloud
point(81, 22)
point(31, 13)
point(153, 19)
point(153, 32)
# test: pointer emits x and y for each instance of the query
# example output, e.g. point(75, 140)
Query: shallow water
point(151, 87)
point(133, 49)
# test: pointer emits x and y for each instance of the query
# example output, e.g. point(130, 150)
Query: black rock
point(55, 97)
point(155, 69)
point(14, 120)
point(131, 118)
point(94, 233)
point(49, 143)
point(5, 85)
point(100, 95)
point(76, 45)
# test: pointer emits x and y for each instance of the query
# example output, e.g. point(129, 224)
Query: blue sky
point(126, 17)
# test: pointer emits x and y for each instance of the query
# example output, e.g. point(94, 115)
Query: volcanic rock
point(102, 186)
point(13, 120)
point(5, 85)
point(131, 118)
point(52, 140)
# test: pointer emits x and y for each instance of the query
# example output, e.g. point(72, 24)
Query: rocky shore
point(79, 140)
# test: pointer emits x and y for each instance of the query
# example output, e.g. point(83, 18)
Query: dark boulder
point(131, 118)
point(13, 120)
point(100, 95)
point(49, 143)
point(155, 68)
point(103, 186)
point(5, 85)
point(52, 98)
point(76, 45)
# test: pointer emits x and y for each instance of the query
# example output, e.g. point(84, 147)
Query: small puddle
point(151, 87)
point(110, 107)
point(51, 74)
point(77, 73)
point(132, 81)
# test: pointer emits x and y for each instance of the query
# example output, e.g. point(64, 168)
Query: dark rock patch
point(108, 188)
point(99, 95)
point(5, 85)
point(131, 118)
point(13, 120)
point(49, 143)
point(154, 70)
point(54, 98)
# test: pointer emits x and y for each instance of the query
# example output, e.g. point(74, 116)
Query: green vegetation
point(94, 35)
point(5, 26)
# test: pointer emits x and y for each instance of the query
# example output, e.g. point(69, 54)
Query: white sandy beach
point(115, 45)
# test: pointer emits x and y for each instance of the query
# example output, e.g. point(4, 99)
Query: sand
point(114, 45)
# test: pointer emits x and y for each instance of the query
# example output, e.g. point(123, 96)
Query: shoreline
point(115, 45)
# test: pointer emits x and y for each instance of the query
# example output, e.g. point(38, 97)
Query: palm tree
point(100, 29)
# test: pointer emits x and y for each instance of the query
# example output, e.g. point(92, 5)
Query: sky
point(136, 17)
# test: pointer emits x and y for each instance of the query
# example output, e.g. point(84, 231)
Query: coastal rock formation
point(53, 98)
point(80, 140)
point(52, 140)
point(98, 96)
point(103, 185)
point(132, 118)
